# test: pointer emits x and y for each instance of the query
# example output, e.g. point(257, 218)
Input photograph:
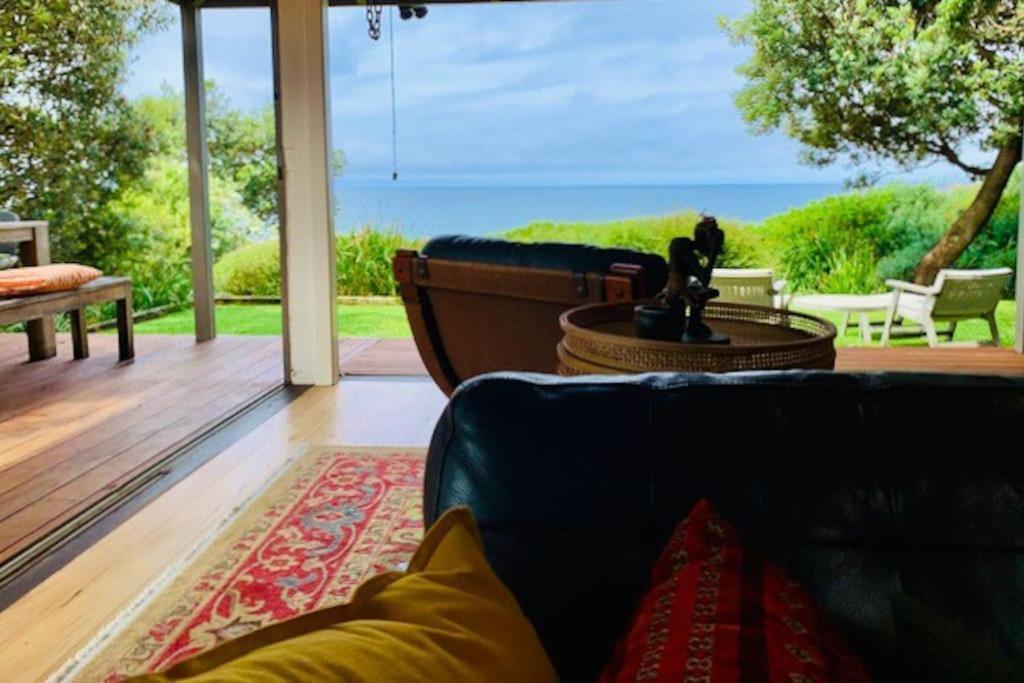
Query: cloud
point(237, 56)
point(622, 91)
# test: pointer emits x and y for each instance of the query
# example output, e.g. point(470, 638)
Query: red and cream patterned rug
point(335, 517)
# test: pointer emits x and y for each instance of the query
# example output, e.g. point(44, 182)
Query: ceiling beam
point(222, 4)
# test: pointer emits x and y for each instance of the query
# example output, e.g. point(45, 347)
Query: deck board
point(969, 361)
point(399, 356)
point(72, 431)
point(53, 621)
point(393, 357)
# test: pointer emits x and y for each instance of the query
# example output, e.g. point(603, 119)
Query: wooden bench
point(73, 302)
point(33, 240)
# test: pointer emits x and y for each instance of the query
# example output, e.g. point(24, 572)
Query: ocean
point(425, 211)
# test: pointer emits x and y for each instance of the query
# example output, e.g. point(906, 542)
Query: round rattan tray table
point(600, 339)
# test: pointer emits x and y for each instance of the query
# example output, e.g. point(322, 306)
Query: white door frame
point(302, 101)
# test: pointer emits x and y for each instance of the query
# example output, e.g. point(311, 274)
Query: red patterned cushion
point(716, 612)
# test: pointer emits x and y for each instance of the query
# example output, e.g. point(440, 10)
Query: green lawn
point(362, 320)
point(388, 320)
point(974, 330)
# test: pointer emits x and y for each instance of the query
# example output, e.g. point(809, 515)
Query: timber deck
point(72, 432)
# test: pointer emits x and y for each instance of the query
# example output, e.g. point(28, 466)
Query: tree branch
point(946, 151)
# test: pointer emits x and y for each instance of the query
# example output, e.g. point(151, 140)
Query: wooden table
point(33, 239)
point(848, 304)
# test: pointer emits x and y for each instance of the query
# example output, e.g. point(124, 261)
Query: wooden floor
point(374, 357)
point(399, 357)
point(74, 432)
point(971, 361)
point(60, 615)
point(71, 432)
point(53, 621)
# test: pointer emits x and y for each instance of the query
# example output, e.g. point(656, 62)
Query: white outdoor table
point(847, 304)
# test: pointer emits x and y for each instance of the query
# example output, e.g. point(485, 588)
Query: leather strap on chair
point(421, 319)
point(624, 283)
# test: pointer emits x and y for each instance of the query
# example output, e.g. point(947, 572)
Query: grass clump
point(363, 256)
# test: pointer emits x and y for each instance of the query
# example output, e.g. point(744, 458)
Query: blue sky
point(588, 92)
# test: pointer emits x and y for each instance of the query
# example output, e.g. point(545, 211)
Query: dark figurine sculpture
point(680, 317)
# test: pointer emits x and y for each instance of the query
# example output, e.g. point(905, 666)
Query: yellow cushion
point(57, 277)
point(447, 618)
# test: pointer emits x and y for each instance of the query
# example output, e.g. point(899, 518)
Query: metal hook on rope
point(373, 20)
point(373, 13)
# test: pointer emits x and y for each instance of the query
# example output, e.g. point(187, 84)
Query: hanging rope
point(373, 20)
point(394, 99)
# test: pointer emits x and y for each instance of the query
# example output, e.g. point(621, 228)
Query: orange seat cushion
point(58, 277)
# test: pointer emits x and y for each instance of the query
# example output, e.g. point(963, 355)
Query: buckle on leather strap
point(579, 281)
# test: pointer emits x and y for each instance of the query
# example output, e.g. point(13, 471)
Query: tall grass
point(364, 265)
point(364, 261)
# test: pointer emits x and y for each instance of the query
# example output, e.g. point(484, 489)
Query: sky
point(592, 92)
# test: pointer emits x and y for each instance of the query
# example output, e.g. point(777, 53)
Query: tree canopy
point(69, 140)
point(909, 81)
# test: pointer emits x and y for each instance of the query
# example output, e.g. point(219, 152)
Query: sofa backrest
point(863, 486)
point(478, 305)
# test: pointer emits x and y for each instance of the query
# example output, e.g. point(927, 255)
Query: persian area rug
point(335, 517)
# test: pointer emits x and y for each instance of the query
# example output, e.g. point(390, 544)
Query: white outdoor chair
point(755, 286)
point(956, 295)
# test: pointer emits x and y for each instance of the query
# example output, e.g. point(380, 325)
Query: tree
point(909, 81)
point(243, 148)
point(69, 141)
point(242, 144)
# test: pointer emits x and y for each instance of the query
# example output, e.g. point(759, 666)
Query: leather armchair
point(478, 305)
point(863, 486)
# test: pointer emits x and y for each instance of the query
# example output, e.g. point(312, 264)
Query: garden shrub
point(364, 265)
point(853, 242)
point(652, 234)
point(155, 221)
point(848, 243)
point(251, 270)
point(826, 246)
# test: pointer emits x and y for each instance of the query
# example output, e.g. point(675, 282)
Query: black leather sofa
point(863, 486)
